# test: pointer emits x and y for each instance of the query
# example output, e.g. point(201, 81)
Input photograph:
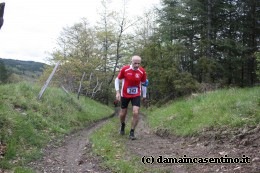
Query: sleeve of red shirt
point(121, 73)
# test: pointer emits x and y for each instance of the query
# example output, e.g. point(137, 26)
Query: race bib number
point(132, 90)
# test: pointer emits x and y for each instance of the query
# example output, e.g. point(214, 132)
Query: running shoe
point(122, 130)
point(132, 135)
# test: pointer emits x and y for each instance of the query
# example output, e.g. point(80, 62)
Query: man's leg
point(136, 107)
point(135, 117)
point(122, 114)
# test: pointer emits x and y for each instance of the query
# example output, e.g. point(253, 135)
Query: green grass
point(110, 146)
point(222, 108)
point(28, 124)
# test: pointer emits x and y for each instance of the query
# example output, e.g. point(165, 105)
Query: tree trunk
point(209, 29)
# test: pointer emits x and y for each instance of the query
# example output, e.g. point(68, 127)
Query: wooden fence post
point(48, 81)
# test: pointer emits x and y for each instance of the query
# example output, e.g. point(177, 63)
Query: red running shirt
point(131, 81)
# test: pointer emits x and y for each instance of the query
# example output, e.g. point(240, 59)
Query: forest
point(186, 46)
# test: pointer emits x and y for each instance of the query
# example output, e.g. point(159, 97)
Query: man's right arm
point(117, 84)
point(117, 89)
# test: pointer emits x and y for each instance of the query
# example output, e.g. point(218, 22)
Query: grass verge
point(27, 124)
point(222, 108)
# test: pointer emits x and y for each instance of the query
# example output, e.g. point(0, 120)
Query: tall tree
point(222, 31)
point(250, 15)
point(106, 38)
point(77, 53)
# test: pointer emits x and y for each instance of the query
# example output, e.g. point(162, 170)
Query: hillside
point(23, 70)
point(27, 124)
point(225, 108)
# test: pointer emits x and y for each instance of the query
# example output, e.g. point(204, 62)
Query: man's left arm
point(144, 88)
point(144, 91)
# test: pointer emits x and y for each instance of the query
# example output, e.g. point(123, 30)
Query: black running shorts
point(125, 101)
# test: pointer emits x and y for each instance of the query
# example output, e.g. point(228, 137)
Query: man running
point(133, 77)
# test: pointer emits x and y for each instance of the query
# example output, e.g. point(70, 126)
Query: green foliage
point(257, 55)
point(221, 108)
point(28, 124)
point(207, 70)
point(211, 30)
point(78, 57)
point(166, 79)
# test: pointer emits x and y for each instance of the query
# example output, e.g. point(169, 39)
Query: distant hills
point(22, 69)
point(24, 65)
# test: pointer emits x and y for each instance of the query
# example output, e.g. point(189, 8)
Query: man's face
point(136, 63)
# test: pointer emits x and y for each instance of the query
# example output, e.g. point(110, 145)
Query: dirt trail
point(210, 144)
point(75, 155)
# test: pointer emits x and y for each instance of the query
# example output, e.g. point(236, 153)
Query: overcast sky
point(31, 27)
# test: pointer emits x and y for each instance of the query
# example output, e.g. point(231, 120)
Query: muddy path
point(75, 154)
point(161, 146)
